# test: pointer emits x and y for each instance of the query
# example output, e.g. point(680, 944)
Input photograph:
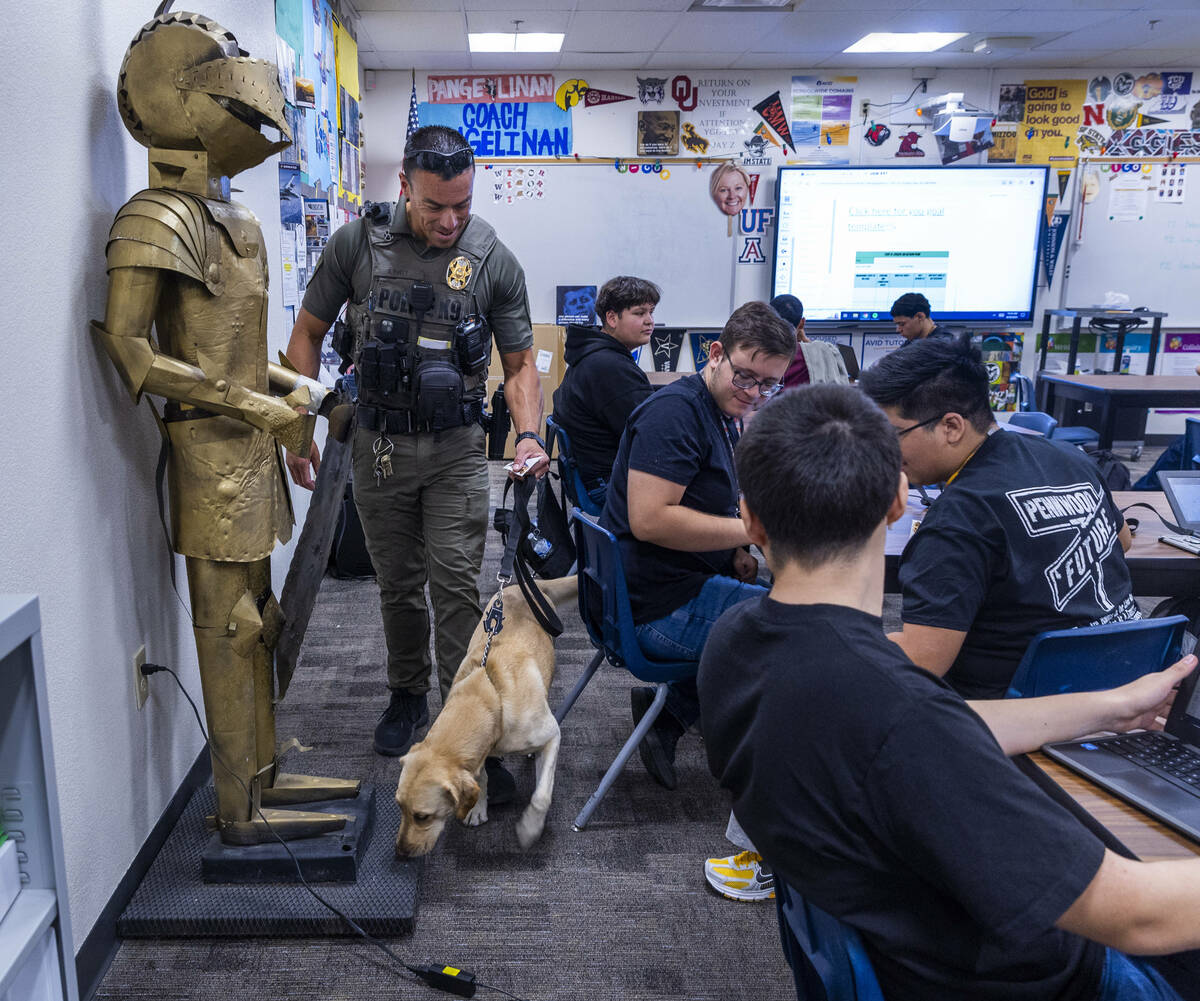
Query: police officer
point(428, 285)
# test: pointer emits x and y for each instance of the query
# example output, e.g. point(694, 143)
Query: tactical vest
point(410, 335)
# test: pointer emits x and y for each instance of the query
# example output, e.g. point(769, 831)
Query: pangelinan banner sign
point(517, 128)
point(467, 87)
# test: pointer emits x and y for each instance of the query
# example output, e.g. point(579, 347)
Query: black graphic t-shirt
point(1023, 540)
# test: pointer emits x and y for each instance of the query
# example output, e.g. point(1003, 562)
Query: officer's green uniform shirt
point(344, 272)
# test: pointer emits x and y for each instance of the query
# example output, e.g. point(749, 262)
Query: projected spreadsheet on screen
point(851, 240)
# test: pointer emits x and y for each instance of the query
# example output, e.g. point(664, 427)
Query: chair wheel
point(1135, 453)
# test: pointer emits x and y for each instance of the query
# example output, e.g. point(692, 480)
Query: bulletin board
point(583, 223)
point(1137, 241)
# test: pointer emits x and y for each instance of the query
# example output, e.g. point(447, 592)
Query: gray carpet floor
point(618, 911)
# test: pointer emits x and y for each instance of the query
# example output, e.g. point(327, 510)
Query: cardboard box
point(547, 353)
point(548, 341)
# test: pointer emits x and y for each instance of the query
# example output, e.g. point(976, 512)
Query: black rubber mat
point(174, 901)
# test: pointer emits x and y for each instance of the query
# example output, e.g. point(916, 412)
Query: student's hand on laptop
point(1144, 704)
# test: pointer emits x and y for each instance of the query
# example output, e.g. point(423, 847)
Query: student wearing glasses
point(1024, 538)
point(427, 286)
point(673, 505)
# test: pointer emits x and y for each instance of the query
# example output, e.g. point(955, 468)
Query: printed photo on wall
point(730, 189)
point(306, 93)
point(658, 133)
point(576, 304)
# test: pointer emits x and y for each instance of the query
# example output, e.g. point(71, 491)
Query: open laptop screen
point(1182, 488)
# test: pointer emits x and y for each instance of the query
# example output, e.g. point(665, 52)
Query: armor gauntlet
point(144, 369)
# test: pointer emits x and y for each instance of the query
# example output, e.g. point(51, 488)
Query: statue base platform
point(177, 900)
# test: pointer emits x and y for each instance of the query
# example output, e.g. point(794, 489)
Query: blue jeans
point(1129, 978)
point(682, 635)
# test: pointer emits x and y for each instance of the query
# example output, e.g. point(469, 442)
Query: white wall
point(78, 517)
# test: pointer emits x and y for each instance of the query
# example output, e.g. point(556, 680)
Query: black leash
point(513, 526)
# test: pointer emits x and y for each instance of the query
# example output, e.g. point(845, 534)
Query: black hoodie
point(602, 387)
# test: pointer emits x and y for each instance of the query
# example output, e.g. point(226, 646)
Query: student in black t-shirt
point(673, 505)
point(1024, 538)
point(875, 791)
point(604, 384)
point(910, 313)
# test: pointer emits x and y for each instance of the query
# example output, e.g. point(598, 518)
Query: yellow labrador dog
point(498, 710)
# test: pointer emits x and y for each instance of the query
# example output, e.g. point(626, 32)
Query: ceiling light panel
point(905, 41)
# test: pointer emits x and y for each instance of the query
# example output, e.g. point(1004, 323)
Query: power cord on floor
point(444, 978)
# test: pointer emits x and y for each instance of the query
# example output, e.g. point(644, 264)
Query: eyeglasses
point(747, 380)
point(422, 159)
point(901, 432)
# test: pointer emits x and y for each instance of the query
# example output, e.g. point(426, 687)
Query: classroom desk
point(1149, 840)
point(1157, 570)
point(665, 378)
point(1110, 393)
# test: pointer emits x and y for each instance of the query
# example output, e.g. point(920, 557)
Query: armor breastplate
point(396, 337)
point(223, 474)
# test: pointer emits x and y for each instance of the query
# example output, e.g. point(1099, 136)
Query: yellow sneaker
point(741, 877)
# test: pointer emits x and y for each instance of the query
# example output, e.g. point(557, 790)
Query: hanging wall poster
point(576, 304)
point(1052, 114)
point(658, 133)
point(821, 109)
point(499, 129)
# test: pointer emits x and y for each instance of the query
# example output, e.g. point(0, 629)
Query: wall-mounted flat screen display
point(849, 241)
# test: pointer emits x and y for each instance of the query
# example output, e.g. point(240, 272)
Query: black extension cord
point(443, 978)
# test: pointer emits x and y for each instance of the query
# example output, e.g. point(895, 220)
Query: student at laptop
point(881, 796)
point(1024, 538)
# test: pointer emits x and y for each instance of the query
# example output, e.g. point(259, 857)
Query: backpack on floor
point(348, 557)
point(1113, 472)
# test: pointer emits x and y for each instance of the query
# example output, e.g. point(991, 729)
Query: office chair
point(1191, 444)
point(1035, 420)
point(1092, 658)
point(1080, 435)
point(604, 608)
point(568, 470)
point(826, 955)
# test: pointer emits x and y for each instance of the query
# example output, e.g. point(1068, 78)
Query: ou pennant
point(593, 98)
point(771, 108)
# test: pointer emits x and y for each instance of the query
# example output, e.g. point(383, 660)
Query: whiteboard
point(1155, 261)
point(592, 223)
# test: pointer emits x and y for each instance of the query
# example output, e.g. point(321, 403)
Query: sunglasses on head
point(432, 160)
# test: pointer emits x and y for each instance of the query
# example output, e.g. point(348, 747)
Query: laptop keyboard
point(1153, 750)
point(1190, 543)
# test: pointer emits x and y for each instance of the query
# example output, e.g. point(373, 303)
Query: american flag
point(414, 120)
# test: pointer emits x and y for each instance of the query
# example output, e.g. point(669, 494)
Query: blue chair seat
point(1035, 420)
point(608, 618)
point(1093, 658)
point(826, 955)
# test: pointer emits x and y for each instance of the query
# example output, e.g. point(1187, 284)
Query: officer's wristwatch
point(531, 434)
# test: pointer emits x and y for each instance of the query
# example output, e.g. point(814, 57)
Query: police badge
point(458, 273)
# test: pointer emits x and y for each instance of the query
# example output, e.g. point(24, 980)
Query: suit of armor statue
point(184, 258)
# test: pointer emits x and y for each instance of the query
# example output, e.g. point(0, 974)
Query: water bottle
point(539, 548)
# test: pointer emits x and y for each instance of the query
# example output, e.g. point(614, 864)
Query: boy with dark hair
point(673, 505)
point(874, 790)
point(603, 384)
point(911, 314)
point(1024, 538)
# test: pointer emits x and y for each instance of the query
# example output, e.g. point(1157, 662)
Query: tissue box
point(10, 876)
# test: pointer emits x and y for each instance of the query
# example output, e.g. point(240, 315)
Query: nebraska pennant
point(771, 108)
point(593, 98)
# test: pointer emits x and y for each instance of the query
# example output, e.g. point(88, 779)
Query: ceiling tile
point(423, 32)
point(514, 62)
point(594, 32)
point(367, 6)
point(502, 6)
point(738, 31)
point(603, 60)
point(1020, 22)
point(690, 60)
point(777, 60)
point(531, 20)
point(1174, 30)
point(822, 31)
point(626, 5)
point(405, 59)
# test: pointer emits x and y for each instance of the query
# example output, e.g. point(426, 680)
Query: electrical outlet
point(141, 684)
point(866, 109)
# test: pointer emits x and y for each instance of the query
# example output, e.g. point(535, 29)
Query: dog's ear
point(464, 792)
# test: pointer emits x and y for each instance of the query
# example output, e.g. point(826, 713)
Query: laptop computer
point(1159, 771)
point(1182, 488)
point(850, 359)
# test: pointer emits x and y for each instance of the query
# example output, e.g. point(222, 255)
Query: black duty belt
point(405, 421)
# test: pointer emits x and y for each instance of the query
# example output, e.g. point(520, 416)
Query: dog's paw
point(529, 828)
point(478, 814)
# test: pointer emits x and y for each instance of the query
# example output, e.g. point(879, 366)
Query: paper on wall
point(1128, 199)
